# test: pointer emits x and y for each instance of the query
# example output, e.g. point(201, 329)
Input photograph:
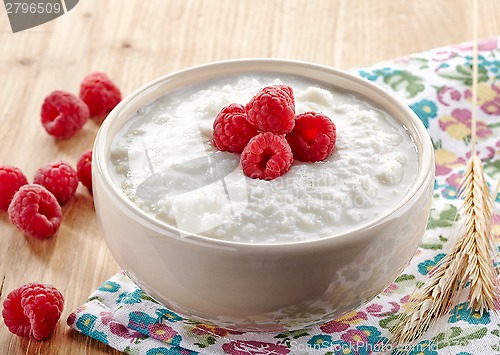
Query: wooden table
point(137, 41)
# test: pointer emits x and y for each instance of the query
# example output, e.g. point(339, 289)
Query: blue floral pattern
point(426, 266)
point(462, 312)
point(86, 324)
point(425, 109)
point(320, 341)
point(109, 286)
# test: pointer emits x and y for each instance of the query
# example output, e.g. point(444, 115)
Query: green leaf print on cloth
point(463, 73)
point(405, 81)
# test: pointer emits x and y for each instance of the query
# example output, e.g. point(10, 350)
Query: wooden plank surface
point(137, 41)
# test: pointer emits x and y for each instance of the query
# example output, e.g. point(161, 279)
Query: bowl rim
point(425, 170)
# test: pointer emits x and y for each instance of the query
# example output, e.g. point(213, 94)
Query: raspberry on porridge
point(165, 161)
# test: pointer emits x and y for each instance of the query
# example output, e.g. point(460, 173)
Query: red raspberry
point(11, 179)
point(313, 137)
point(63, 114)
point(33, 310)
point(84, 169)
point(272, 109)
point(99, 93)
point(232, 131)
point(35, 211)
point(267, 156)
point(59, 178)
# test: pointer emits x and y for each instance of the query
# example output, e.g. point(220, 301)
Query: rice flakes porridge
point(166, 164)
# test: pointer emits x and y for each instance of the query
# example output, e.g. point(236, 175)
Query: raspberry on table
point(33, 310)
point(63, 114)
point(313, 137)
point(11, 179)
point(59, 178)
point(266, 157)
point(272, 109)
point(232, 131)
point(35, 211)
point(84, 169)
point(99, 93)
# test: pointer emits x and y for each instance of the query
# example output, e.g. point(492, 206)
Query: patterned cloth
point(437, 86)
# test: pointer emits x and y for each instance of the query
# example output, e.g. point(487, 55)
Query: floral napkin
point(437, 86)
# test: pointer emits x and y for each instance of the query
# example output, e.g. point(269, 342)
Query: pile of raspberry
point(269, 135)
point(36, 208)
point(33, 310)
point(64, 114)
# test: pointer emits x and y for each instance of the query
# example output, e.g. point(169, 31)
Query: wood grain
point(137, 41)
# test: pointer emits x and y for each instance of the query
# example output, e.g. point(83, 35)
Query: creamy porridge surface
point(164, 161)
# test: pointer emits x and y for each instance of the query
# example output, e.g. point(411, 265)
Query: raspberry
point(59, 178)
point(33, 310)
point(313, 137)
point(272, 109)
point(11, 179)
point(84, 169)
point(63, 114)
point(267, 156)
point(99, 93)
point(35, 211)
point(232, 131)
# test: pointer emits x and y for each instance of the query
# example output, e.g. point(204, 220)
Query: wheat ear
point(478, 250)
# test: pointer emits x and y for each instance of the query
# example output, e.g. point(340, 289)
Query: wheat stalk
point(471, 258)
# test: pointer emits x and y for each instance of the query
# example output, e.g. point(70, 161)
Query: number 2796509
point(33, 8)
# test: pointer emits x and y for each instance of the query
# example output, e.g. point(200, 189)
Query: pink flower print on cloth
point(457, 125)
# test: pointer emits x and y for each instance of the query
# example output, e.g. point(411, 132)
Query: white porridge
point(166, 164)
